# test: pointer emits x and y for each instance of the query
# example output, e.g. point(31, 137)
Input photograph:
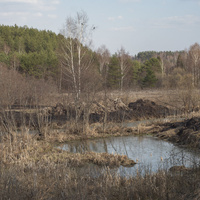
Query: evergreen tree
point(148, 72)
point(30, 51)
point(114, 73)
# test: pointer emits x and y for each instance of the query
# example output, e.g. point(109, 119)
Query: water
point(150, 152)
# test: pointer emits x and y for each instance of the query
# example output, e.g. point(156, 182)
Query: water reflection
point(151, 153)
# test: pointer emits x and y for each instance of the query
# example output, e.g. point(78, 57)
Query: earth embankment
point(185, 132)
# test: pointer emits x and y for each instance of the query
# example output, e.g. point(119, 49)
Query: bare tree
point(162, 64)
point(78, 65)
point(124, 65)
point(75, 53)
point(194, 62)
point(103, 58)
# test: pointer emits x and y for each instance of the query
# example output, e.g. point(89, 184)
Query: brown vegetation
point(24, 150)
point(32, 169)
point(17, 89)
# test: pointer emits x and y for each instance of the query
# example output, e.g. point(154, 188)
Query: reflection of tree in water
point(182, 157)
point(124, 146)
point(94, 146)
point(105, 146)
point(71, 147)
point(119, 146)
point(140, 138)
point(79, 147)
point(84, 146)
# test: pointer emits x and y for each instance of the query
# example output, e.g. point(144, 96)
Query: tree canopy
point(29, 50)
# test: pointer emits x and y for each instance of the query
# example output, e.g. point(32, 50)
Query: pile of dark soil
point(145, 109)
point(112, 110)
point(186, 132)
point(109, 110)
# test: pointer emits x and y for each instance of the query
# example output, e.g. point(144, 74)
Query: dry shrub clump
point(21, 90)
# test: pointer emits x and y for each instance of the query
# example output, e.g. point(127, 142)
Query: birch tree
point(124, 65)
point(75, 58)
point(78, 65)
point(103, 59)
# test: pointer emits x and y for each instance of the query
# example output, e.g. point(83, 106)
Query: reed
point(35, 169)
point(32, 168)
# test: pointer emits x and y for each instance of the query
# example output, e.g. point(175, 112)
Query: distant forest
point(37, 54)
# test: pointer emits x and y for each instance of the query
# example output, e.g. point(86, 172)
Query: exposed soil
point(112, 110)
point(148, 109)
point(186, 132)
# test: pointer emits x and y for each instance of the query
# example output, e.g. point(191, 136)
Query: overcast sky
point(137, 25)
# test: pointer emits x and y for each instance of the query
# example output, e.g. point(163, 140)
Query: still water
point(150, 152)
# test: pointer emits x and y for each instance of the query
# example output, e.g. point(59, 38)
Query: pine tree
point(114, 73)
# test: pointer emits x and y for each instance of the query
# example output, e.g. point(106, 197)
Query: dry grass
point(32, 168)
point(174, 99)
point(56, 180)
point(35, 169)
point(162, 96)
point(24, 149)
point(69, 132)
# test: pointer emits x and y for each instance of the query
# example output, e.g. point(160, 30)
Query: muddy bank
point(186, 132)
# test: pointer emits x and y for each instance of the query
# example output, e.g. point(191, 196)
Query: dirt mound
point(193, 123)
point(186, 132)
point(116, 110)
point(111, 110)
point(148, 109)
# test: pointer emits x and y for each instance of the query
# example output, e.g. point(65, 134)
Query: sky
point(135, 25)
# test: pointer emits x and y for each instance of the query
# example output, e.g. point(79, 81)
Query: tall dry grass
point(32, 169)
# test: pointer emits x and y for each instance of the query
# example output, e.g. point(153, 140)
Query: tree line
point(68, 60)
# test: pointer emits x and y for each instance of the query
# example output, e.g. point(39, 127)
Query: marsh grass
point(35, 169)
point(32, 168)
